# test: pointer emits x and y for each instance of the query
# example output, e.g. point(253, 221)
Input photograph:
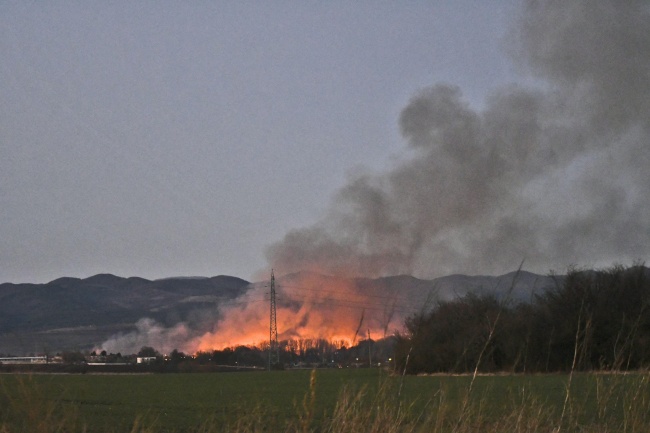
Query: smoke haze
point(555, 174)
point(150, 333)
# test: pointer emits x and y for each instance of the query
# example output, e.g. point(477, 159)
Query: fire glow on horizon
point(555, 173)
point(309, 306)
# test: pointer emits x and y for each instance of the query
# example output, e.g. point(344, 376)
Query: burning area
point(310, 306)
point(555, 173)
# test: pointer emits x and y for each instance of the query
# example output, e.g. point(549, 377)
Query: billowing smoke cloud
point(556, 174)
point(150, 333)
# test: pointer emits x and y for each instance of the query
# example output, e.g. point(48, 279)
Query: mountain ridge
point(71, 313)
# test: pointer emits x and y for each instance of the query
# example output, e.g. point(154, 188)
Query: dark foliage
point(592, 319)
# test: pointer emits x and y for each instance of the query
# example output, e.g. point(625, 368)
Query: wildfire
point(309, 306)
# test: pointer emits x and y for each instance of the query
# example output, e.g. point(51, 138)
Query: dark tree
point(147, 351)
point(599, 317)
point(73, 357)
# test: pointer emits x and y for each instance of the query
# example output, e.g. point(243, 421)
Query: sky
point(160, 139)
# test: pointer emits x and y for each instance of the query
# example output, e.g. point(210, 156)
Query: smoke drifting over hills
point(556, 174)
point(150, 333)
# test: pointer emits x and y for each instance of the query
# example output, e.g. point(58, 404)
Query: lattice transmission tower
point(274, 349)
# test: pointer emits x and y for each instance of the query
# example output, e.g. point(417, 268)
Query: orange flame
point(309, 306)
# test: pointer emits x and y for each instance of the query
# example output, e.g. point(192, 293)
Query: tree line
point(590, 320)
point(293, 353)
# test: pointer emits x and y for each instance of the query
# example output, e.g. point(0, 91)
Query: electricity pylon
point(274, 349)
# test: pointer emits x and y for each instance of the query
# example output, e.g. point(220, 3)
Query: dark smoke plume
point(557, 174)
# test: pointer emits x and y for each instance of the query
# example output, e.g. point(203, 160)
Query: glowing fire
point(309, 306)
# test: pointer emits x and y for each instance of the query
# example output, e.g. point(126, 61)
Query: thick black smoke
point(558, 174)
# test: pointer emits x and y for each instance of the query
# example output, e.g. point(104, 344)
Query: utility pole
point(369, 352)
point(274, 350)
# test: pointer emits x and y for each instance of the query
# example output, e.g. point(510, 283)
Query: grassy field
point(325, 400)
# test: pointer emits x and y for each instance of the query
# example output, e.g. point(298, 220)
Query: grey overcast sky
point(161, 139)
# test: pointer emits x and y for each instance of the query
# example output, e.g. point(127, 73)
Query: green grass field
point(328, 400)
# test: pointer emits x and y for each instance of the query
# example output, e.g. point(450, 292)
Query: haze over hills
point(122, 314)
point(72, 313)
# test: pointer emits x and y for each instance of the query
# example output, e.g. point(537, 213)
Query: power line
point(274, 349)
point(365, 295)
point(350, 303)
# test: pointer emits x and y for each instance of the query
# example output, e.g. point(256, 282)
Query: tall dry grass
point(25, 409)
point(613, 403)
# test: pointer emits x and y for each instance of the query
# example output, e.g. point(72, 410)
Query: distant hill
point(77, 314)
point(73, 313)
point(415, 293)
point(520, 286)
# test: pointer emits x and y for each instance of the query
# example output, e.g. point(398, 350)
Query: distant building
point(145, 359)
point(24, 360)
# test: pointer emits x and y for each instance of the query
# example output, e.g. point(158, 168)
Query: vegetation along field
point(336, 400)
